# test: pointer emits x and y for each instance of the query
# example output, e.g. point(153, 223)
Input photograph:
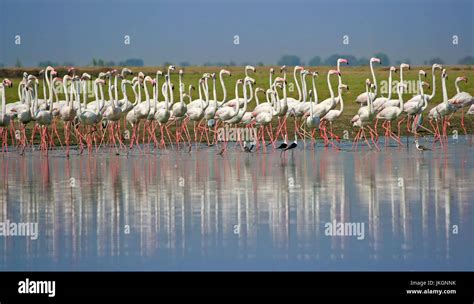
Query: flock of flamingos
point(97, 123)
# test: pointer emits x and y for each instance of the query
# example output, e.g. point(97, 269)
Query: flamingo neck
point(373, 77)
point(297, 85)
point(224, 91)
point(433, 91)
point(390, 84)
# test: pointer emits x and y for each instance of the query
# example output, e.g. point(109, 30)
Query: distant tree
point(68, 63)
point(435, 60)
point(232, 63)
point(385, 60)
point(425, 62)
point(315, 61)
point(466, 60)
point(184, 63)
point(135, 62)
point(1, 65)
point(110, 63)
point(290, 60)
point(260, 64)
point(18, 63)
point(166, 64)
point(94, 62)
point(362, 61)
point(43, 64)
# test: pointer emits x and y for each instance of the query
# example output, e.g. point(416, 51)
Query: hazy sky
point(203, 31)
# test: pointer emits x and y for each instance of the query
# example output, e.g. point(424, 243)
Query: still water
point(171, 210)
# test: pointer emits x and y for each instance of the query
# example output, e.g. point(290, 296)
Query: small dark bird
point(189, 149)
point(421, 148)
point(221, 152)
point(291, 146)
point(283, 145)
point(249, 149)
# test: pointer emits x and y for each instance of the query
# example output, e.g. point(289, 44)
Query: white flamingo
point(362, 99)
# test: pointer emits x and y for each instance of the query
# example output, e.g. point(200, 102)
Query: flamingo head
point(315, 74)
point(280, 80)
point(85, 76)
point(331, 72)
point(404, 66)
point(71, 70)
point(171, 68)
point(7, 82)
point(444, 74)
point(368, 82)
point(159, 73)
point(191, 88)
point(283, 68)
point(54, 72)
point(272, 71)
point(343, 86)
point(40, 73)
point(461, 78)
point(213, 76)
point(343, 60)
point(298, 68)
point(181, 72)
point(425, 84)
point(437, 66)
point(225, 72)
point(375, 59)
point(126, 72)
point(100, 81)
point(423, 73)
point(259, 90)
point(250, 68)
point(393, 69)
point(250, 79)
point(240, 81)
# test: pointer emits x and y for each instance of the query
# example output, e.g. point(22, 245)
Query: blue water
point(172, 210)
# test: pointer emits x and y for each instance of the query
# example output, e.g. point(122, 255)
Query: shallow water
point(200, 211)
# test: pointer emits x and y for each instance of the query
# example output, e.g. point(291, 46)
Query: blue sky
point(203, 31)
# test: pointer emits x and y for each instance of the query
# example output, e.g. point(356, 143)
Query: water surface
point(172, 210)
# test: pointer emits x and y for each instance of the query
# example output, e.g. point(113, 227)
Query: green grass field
point(354, 77)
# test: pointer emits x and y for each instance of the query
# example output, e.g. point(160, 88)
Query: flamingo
point(324, 107)
point(163, 114)
point(461, 100)
point(238, 118)
point(416, 108)
point(87, 116)
point(363, 117)
point(362, 99)
point(441, 110)
point(4, 118)
point(391, 113)
point(380, 101)
point(264, 118)
point(333, 114)
point(418, 99)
